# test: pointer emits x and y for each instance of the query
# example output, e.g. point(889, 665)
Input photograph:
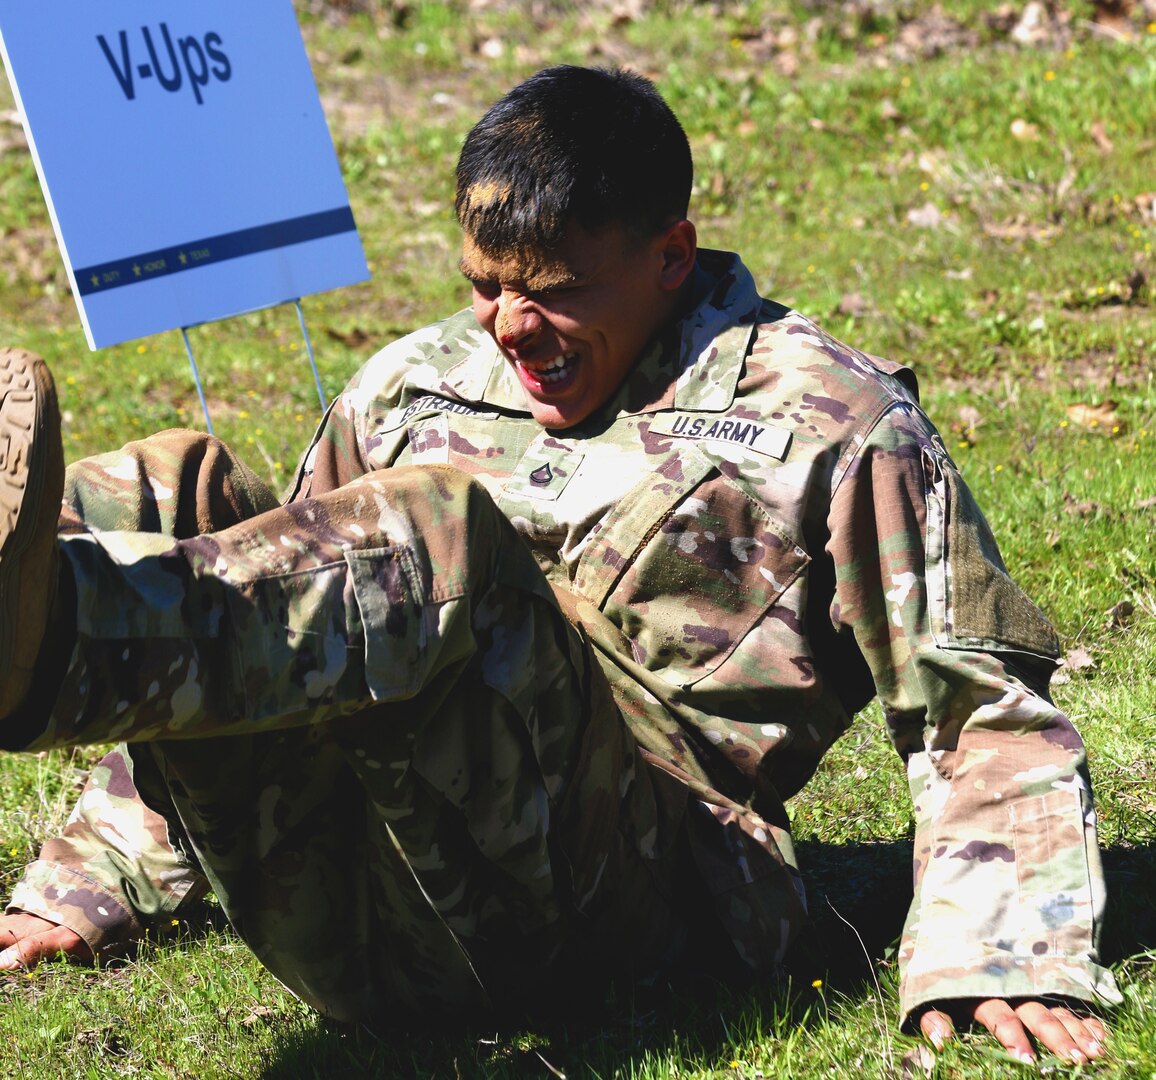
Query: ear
point(679, 247)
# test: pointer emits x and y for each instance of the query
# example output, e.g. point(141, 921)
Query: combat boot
point(31, 487)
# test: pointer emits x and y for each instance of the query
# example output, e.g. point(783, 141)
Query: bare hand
point(28, 939)
point(1078, 1039)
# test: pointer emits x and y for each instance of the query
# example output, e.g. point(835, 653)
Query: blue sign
point(184, 156)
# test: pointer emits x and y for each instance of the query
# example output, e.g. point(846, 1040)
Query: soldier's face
point(573, 321)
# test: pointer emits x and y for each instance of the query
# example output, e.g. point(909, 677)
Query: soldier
point(572, 590)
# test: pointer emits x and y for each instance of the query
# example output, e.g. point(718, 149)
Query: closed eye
point(488, 290)
point(553, 293)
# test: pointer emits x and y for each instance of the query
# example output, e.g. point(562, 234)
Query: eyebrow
point(469, 273)
point(535, 281)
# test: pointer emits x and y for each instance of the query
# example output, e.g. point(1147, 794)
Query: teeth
point(555, 369)
point(558, 361)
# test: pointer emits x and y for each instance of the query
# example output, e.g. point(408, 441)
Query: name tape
point(735, 431)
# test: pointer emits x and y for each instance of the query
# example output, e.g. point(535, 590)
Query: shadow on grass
point(696, 1026)
point(1130, 926)
point(196, 924)
point(859, 895)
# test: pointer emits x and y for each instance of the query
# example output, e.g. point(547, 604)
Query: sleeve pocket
point(1052, 875)
point(975, 604)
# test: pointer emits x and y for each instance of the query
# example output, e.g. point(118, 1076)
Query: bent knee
point(451, 520)
point(178, 482)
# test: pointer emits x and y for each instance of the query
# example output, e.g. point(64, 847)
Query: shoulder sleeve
point(1008, 884)
point(335, 455)
point(348, 442)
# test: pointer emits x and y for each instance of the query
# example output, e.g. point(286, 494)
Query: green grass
point(979, 213)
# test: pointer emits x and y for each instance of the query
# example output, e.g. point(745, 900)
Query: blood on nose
point(516, 322)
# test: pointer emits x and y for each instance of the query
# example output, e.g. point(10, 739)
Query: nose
point(518, 322)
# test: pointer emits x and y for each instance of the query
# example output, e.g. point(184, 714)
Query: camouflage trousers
point(393, 755)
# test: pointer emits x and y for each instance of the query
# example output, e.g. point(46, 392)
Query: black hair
point(594, 146)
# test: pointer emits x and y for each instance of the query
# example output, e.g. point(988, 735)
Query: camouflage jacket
point(763, 531)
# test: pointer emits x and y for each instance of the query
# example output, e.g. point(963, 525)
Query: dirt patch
point(1098, 371)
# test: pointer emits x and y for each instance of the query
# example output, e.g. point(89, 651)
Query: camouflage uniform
point(756, 535)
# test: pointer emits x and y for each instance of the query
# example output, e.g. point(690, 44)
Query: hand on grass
point(1078, 1039)
point(26, 940)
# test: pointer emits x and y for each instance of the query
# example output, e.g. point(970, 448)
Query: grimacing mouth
point(552, 370)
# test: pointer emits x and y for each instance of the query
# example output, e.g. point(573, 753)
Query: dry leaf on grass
point(935, 163)
point(1077, 660)
point(1034, 26)
point(355, 338)
point(1100, 417)
point(1099, 135)
point(1114, 15)
point(1120, 613)
point(965, 426)
point(1021, 228)
point(852, 304)
point(786, 65)
point(258, 1014)
point(927, 216)
point(918, 1061)
point(933, 34)
point(1024, 130)
point(970, 415)
point(1081, 507)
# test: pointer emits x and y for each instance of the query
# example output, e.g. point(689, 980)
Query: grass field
point(968, 188)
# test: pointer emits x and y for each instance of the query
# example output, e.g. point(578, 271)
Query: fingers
point(1074, 1038)
point(1001, 1020)
point(1059, 1030)
point(1094, 1031)
point(17, 926)
point(937, 1028)
point(26, 940)
point(16, 958)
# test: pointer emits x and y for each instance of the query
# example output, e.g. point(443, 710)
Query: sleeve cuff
point(64, 897)
point(1004, 976)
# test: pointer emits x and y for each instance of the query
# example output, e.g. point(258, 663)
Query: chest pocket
point(686, 564)
point(478, 444)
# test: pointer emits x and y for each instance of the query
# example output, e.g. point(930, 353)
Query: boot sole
point(27, 401)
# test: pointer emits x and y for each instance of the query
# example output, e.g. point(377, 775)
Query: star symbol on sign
point(136, 269)
point(184, 259)
point(95, 281)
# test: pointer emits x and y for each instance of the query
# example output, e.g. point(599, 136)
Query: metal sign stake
point(309, 350)
point(197, 380)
